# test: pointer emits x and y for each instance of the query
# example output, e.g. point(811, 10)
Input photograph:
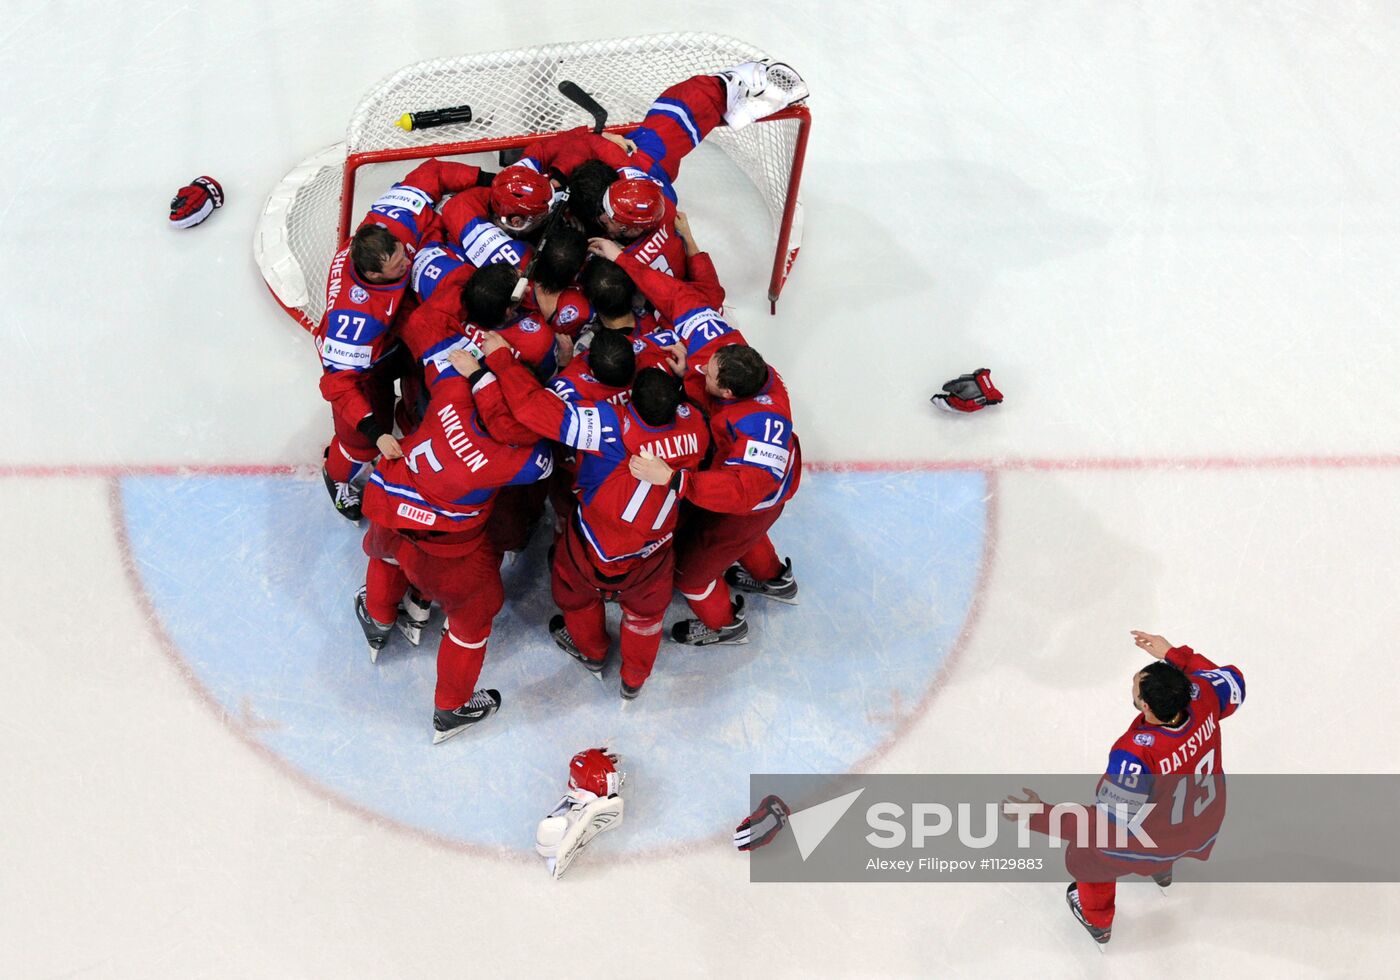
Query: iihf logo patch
point(358, 295)
point(1144, 738)
point(529, 325)
point(683, 411)
point(764, 399)
point(1195, 691)
point(567, 315)
point(638, 346)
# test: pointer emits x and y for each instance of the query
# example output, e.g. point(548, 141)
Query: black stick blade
point(572, 92)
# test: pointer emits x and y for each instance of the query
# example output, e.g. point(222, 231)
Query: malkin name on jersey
point(674, 447)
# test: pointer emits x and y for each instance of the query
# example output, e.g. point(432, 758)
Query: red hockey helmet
point(518, 192)
point(635, 203)
point(595, 770)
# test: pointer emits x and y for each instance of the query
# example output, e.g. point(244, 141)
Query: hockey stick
point(572, 92)
point(518, 294)
point(576, 95)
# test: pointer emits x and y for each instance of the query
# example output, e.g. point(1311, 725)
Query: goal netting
point(515, 99)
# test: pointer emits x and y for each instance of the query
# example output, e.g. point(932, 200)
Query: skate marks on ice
point(251, 579)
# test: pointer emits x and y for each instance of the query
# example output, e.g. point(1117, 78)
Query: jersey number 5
point(424, 450)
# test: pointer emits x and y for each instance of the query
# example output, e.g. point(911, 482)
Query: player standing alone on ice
point(1169, 757)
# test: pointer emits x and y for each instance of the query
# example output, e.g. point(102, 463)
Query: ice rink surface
point(1172, 230)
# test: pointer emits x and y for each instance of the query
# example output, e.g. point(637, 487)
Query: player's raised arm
point(700, 268)
point(1227, 682)
point(1150, 643)
point(438, 178)
point(584, 425)
point(672, 297)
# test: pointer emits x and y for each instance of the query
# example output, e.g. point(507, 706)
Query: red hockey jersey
point(356, 332)
point(451, 468)
point(1179, 769)
point(1176, 773)
point(468, 228)
point(758, 460)
point(621, 518)
point(694, 309)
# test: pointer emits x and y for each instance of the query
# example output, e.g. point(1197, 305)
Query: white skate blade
point(444, 736)
point(439, 737)
point(596, 674)
point(373, 653)
point(410, 630)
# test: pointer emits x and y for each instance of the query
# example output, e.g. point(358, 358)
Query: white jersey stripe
point(666, 506)
point(629, 513)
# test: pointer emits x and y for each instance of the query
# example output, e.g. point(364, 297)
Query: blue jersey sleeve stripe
point(679, 111)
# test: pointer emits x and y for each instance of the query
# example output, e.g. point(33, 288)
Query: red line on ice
point(1010, 464)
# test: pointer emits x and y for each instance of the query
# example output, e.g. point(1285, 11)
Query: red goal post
point(515, 99)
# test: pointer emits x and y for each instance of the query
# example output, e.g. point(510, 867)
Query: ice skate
point(345, 496)
point(413, 616)
point(1099, 936)
point(628, 692)
point(565, 642)
point(376, 633)
point(783, 588)
point(693, 632)
point(1163, 878)
point(757, 89)
point(483, 705)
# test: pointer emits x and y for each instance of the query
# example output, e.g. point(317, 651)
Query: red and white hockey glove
point(968, 393)
point(195, 201)
point(761, 826)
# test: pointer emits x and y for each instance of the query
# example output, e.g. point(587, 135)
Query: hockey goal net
point(515, 99)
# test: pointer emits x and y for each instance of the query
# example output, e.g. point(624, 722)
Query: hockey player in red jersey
point(614, 303)
point(691, 306)
point(460, 309)
point(601, 372)
point(617, 545)
point(1170, 757)
point(429, 510)
point(499, 224)
point(755, 471)
point(638, 210)
point(454, 319)
point(675, 124)
point(365, 293)
point(609, 291)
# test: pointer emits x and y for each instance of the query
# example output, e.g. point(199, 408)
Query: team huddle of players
point(556, 334)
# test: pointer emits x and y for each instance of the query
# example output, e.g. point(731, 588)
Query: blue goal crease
point(253, 578)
